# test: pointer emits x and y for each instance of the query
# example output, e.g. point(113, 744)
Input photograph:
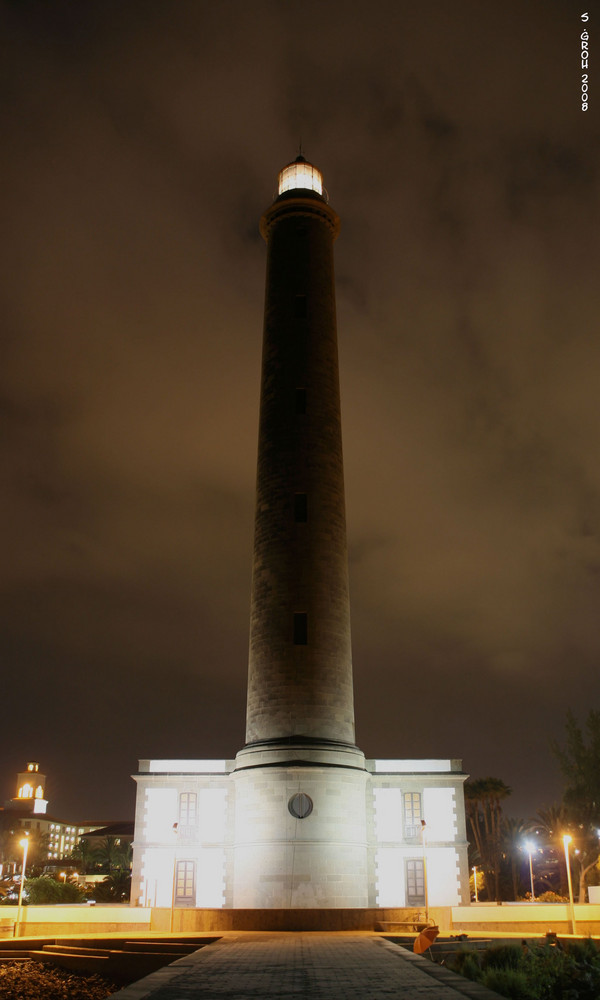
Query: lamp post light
point(475, 883)
point(566, 841)
point(173, 888)
point(63, 876)
point(424, 841)
point(25, 845)
point(530, 848)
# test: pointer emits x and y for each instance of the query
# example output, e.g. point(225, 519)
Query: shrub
point(466, 963)
point(502, 956)
point(42, 891)
point(512, 983)
point(563, 971)
point(569, 973)
point(583, 951)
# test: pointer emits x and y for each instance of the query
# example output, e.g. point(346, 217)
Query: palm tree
point(113, 854)
point(514, 832)
point(116, 887)
point(553, 823)
point(484, 813)
point(84, 855)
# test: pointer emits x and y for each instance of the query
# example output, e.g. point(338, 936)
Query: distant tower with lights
point(299, 819)
point(31, 789)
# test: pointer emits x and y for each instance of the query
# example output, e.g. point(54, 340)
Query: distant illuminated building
point(27, 810)
point(30, 788)
point(299, 818)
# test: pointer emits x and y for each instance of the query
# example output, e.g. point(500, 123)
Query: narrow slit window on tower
point(300, 307)
point(300, 400)
point(300, 507)
point(300, 628)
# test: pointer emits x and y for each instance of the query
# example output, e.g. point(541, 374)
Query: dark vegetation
point(34, 981)
point(545, 971)
point(108, 858)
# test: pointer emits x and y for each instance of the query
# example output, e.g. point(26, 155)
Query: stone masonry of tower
point(300, 689)
point(299, 819)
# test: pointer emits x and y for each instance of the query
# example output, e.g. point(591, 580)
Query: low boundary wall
point(532, 918)
point(526, 918)
point(301, 919)
point(74, 919)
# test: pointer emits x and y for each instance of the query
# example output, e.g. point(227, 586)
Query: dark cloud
point(142, 142)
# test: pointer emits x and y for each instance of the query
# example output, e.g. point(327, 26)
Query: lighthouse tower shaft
point(300, 667)
point(300, 782)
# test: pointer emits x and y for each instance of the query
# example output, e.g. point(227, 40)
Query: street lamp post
point(529, 849)
point(25, 845)
point(475, 883)
point(423, 841)
point(566, 841)
point(173, 887)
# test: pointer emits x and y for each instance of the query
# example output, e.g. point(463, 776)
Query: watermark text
point(584, 39)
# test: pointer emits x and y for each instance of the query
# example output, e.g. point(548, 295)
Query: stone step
point(88, 963)
point(120, 966)
point(161, 946)
point(67, 949)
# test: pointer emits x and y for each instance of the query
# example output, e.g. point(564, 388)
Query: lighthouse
point(298, 819)
point(300, 667)
point(300, 708)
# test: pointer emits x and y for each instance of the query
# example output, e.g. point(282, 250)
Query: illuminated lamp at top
point(300, 174)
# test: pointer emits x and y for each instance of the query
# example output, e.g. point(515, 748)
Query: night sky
point(141, 142)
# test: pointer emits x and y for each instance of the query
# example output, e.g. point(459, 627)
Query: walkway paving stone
point(295, 966)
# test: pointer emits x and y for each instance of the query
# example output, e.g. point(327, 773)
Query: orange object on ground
point(425, 940)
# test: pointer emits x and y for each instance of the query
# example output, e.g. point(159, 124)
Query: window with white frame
point(185, 883)
point(413, 814)
point(415, 882)
point(188, 809)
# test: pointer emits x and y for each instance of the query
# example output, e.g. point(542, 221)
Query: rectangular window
point(300, 507)
point(300, 307)
point(415, 882)
point(188, 809)
point(301, 401)
point(412, 815)
point(185, 883)
point(300, 629)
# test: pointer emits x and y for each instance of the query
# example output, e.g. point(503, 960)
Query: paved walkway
point(295, 966)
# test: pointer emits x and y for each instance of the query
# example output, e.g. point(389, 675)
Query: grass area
point(35, 981)
point(546, 971)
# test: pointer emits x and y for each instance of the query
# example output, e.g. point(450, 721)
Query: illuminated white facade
point(210, 841)
point(300, 818)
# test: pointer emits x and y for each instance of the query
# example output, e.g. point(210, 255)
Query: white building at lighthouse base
point(300, 828)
